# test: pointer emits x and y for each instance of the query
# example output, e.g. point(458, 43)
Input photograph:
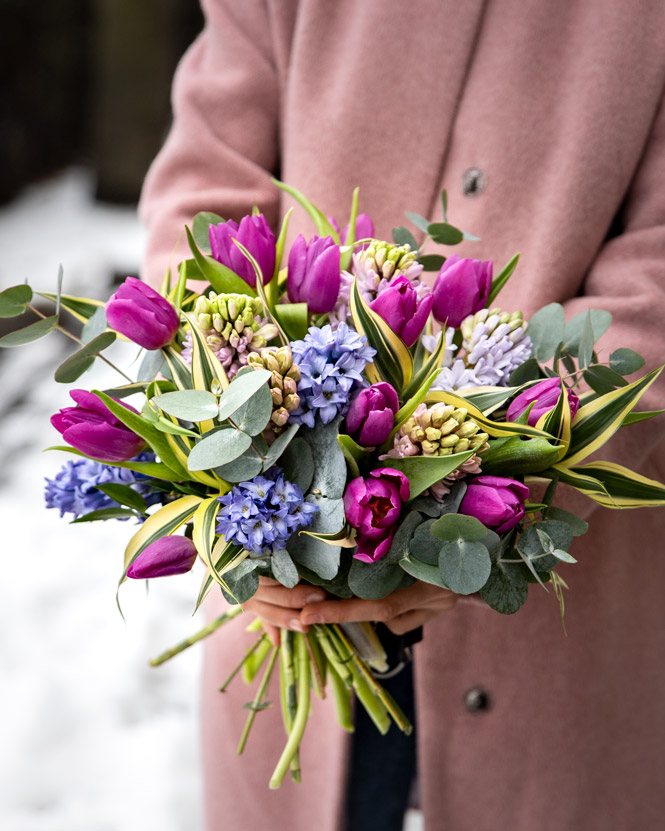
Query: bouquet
point(325, 416)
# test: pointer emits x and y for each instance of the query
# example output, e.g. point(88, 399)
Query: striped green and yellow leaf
point(429, 367)
point(393, 362)
point(557, 422)
point(624, 488)
point(180, 372)
point(82, 308)
point(598, 420)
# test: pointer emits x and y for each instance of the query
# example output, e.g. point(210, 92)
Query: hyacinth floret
point(75, 488)
point(374, 269)
point(494, 344)
point(332, 363)
point(233, 326)
point(260, 515)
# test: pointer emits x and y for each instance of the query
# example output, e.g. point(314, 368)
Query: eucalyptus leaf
point(564, 556)
point(329, 479)
point(587, 340)
point(458, 527)
point(400, 544)
point(506, 589)
point(528, 371)
point(577, 526)
point(546, 330)
point(242, 582)
point(283, 568)
point(465, 565)
point(599, 320)
point(316, 555)
point(402, 236)
point(297, 463)
point(419, 221)
point(29, 334)
point(279, 446)
point(243, 468)
point(431, 262)
point(423, 571)
point(253, 416)
point(151, 365)
point(240, 390)
point(372, 581)
point(602, 379)
point(14, 300)
point(423, 546)
point(95, 325)
point(189, 405)
point(432, 507)
point(218, 448)
point(444, 233)
point(76, 364)
point(625, 361)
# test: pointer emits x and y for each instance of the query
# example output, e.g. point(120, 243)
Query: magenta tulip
point(314, 273)
point(546, 396)
point(255, 235)
point(373, 506)
point(399, 306)
point(165, 556)
point(93, 429)
point(371, 415)
point(461, 289)
point(141, 314)
point(497, 502)
point(364, 228)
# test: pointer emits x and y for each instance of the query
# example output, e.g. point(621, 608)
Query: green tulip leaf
point(423, 471)
point(104, 514)
point(124, 495)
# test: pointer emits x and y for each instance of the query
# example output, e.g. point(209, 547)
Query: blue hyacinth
point(262, 514)
point(74, 490)
point(331, 363)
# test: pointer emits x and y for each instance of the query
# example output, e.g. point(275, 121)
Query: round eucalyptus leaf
point(218, 448)
point(465, 566)
point(452, 527)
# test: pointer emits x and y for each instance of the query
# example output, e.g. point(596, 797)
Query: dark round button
point(477, 700)
point(474, 181)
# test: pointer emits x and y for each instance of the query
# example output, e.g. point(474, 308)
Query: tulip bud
point(373, 507)
point(255, 235)
point(371, 415)
point(93, 429)
point(497, 502)
point(163, 557)
point(399, 306)
point(141, 314)
point(314, 273)
point(545, 396)
point(461, 289)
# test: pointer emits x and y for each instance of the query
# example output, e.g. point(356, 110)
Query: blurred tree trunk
point(136, 47)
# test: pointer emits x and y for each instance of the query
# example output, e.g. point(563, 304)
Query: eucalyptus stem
point(302, 711)
point(199, 636)
point(80, 342)
point(239, 666)
point(257, 700)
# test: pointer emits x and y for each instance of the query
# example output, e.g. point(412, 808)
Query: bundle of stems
point(326, 657)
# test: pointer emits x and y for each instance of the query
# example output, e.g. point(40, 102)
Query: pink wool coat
point(544, 121)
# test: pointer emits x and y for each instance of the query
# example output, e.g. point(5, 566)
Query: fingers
point(272, 592)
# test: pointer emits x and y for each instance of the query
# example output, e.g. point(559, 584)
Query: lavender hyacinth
point(331, 363)
point(262, 514)
point(75, 488)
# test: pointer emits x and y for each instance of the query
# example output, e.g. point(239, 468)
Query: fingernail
point(315, 597)
point(294, 623)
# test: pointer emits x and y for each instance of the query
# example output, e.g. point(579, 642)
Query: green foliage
point(29, 334)
point(200, 229)
point(243, 387)
point(293, 318)
point(124, 495)
point(278, 447)
point(546, 329)
point(423, 471)
point(323, 226)
point(253, 416)
point(80, 361)
point(625, 361)
point(283, 568)
point(14, 300)
point(517, 456)
point(241, 582)
point(599, 321)
point(221, 278)
point(506, 589)
point(431, 262)
point(444, 233)
point(95, 325)
point(502, 278)
point(402, 236)
point(218, 448)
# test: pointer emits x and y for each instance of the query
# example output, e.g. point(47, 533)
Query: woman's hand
point(279, 607)
point(401, 611)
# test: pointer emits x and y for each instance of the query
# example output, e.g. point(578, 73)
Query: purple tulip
point(255, 235)
point(373, 506)
point(314, 274)
point(371, 415)
point(546, 394)
point(93, 429)
point(497, 502)
point(364, 228)
point(399, 306)
point(137, 311)
point(165, 556)
point(461, 289)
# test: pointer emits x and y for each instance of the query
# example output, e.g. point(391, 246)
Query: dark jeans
point(383, 768)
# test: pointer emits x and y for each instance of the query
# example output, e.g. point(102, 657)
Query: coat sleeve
point(223, 144)
point(628, 279)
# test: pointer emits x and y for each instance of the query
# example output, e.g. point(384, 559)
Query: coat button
point(477, 700)
point(474, 181)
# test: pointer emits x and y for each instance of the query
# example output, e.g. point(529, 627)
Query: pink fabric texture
point(559, 108)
